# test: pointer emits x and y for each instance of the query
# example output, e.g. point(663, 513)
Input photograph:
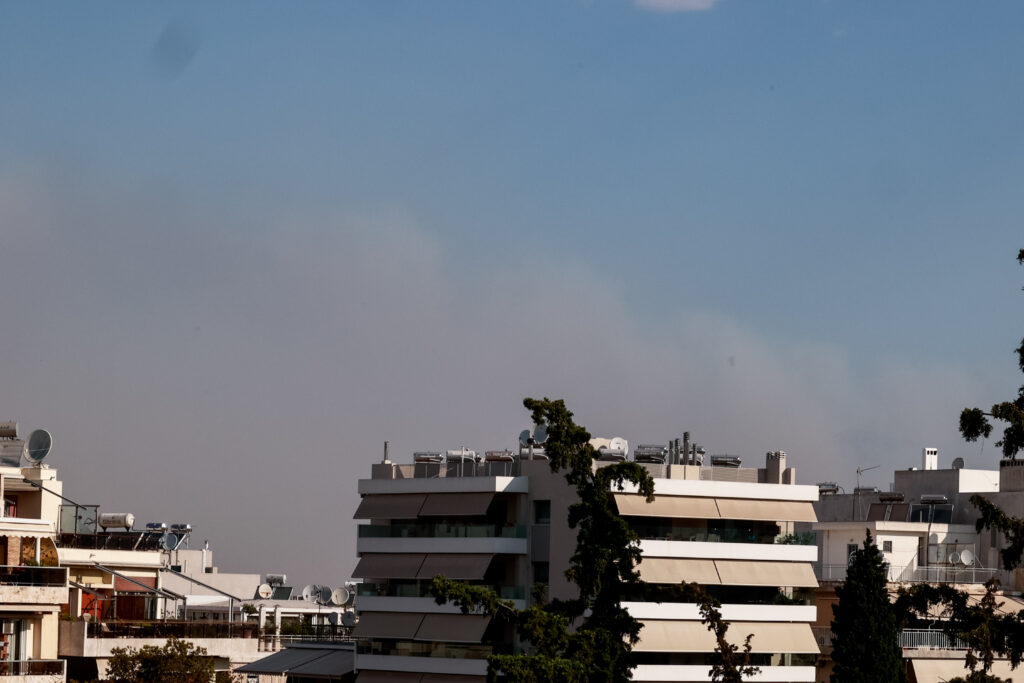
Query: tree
point(865, 642)
point(728, 663)
point(178, 661)
point(974, 422)
point(600, 647)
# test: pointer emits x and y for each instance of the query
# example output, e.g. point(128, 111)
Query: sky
point(242, 246)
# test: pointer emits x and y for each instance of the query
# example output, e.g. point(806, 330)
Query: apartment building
point(924, 527)
point(501, 521)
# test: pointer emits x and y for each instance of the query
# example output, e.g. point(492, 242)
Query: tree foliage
point(178, 661)
point(865, 636)
point(974, 422)
point(729, 664)
point(588, 638)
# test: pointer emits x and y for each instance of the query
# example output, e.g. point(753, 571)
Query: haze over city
point(242, 249)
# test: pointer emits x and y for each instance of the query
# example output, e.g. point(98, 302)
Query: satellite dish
point(524, 437)
point(309, 593)
point(324, 595)
point(333, 618)
point(540, 434)
point(967, 558)
point(339, 596)
point(954, 558)
point(265, 591)
point(168, 541)
point(348, 619)
point(37, 446)
point(958, 463)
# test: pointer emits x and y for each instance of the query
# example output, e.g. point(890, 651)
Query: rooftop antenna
point(862, 470)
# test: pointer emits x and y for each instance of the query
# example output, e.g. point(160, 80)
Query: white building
point(503, 523)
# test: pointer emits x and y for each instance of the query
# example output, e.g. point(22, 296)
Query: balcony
point(421, 589)
point(237, 641)
point(910, 639)
point(32, 671)
point(914, 574)
point(441, 538)
point(33, 585)
point(441, 530)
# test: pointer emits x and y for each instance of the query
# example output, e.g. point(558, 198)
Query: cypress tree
point(865, 635)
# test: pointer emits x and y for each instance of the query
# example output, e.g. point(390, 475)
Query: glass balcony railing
point(32, 667)
point(441, 530)
point(432, 649)
point(169, 629)
point(421, 589)
point(33, 576)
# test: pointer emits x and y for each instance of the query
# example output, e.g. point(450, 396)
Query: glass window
point(886, 546)
point(540, 572)
point(542, 512)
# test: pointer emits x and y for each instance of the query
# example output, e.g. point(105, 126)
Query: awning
point(453, 628)
point(465, 567)
point(693, 636)
point(390, 506)
point(672, 570)
point(136, 582)
point(666, 506)
point(284, 661)
point(388, 566)
point(330, 664)
point(396, 625)
point(756, 573)
point(386, 677)
point(766, 510)
point(456, 504)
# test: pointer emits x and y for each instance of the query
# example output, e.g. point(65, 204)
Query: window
point(541, 571)
point(542, 512)
point(851, 548)
point(886, 546)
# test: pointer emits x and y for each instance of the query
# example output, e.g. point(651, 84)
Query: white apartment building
point(503, 523)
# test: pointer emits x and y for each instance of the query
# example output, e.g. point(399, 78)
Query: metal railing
point(33, 576)
point(913, 574)
point(910, 639)
point(916, 639)
point(32, 667)
point(176, 629)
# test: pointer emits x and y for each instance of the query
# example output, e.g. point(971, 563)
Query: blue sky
point(782, 225)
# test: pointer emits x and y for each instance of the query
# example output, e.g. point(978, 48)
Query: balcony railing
point(915, 639)
point(441, 530)
point(32, 667)
point(33, 576)
point(910, 639)
point(176, 629)
point(912, 574)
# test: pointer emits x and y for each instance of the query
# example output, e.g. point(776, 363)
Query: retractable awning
point(454, 566)
point(693, 636)
point(756, 573)
point(317, 662)
point(766, 510)
point(456, 504)
point(666, 506)
point(388, 566)
point(673, 570)
point(395, 625)
point(453, 628)
point(390, 506)
point(147, 589)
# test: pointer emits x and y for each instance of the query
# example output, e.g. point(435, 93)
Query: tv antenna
point(862, 470)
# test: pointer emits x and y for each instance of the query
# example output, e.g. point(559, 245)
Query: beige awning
point(397, 625)
point(766, 510)
point(756, 573)
point(693, 636)
point(456, 504)
point(390, 506)
point(674, 570)
point(388, 566)
point(465, 567)
point(453, 628)
point(666, 506)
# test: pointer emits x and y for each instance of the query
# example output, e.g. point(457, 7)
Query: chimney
point(929, 458)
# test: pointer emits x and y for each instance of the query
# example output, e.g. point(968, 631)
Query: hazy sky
point(244, 244)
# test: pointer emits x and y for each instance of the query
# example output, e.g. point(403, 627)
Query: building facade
point(503, 522)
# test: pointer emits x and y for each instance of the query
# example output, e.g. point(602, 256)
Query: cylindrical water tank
point(117, 520)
